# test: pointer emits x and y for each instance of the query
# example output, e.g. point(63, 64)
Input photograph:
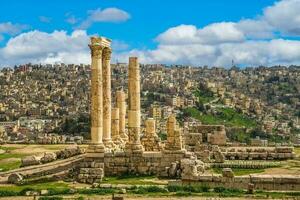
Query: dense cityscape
point(150, 100)
point(52, 101)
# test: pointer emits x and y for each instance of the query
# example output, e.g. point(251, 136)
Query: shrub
point(54, 191)
point(99, 191)
point(183, 194)
point(219, 189)
point(23, 191)
point(150, 189)
point(7, 193)
point(188, 188)
point(51, 198)
point(174, 188)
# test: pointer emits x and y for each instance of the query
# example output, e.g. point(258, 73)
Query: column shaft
point(96, 95)
point(115, 125)
point(121, 104)
point(106, 75)
point(134, 112)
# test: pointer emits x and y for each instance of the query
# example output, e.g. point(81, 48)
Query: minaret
point(134, 112)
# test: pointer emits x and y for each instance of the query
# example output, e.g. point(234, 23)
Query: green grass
point(36, 186)
point(56, 189)
point(226, 116)
point(240, 172)
point(10, 165)
point(11, 155)
point(130, 180)
point(8, 148)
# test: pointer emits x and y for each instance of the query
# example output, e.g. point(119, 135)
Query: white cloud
point(284, 16)
point(114, 15)
point(259, 41)
point(41, 47)
point(56, 47)
point(118, 45)
point(258, 29)
point(249, 52)
point(71, 19)
point(12, 29)
point(45, 19)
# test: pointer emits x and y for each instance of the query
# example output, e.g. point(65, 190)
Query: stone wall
point(120, 163)
point(212, 134)
point(277, 153)
point(260, 182)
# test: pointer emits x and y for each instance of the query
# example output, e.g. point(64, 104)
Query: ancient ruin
point(113, 150)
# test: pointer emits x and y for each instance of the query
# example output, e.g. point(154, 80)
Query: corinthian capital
point(96, 50)
point(106, 53)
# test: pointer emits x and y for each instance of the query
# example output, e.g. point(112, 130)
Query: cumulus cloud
point(56, 47)
point(12, 29)
point(249, 42)
point(248, 52)
point(42, 47)
point(284, 16)
point(113, 15)
point(259, 41)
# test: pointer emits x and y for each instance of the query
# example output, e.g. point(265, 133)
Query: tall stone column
point(134, 112)
point(106, 76)
point(96, 95)
point(121, 104)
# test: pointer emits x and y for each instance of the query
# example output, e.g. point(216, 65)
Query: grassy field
point(70, 191)
point(240, 172)
point(226, 116)
point(135, 180)
point(11, 155)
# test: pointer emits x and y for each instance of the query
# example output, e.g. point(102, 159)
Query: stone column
point(121, 104)
point(96, 95)
point(115, 125)
point(150, 140)
point(174, 138)
point(106, 76)
point(134, 111)
point(150, 126)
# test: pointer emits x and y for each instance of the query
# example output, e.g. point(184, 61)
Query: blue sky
point(155, 30)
